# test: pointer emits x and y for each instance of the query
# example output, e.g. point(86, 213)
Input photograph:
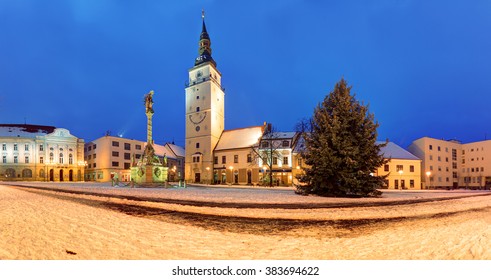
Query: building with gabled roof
point(403, 170)
point(233, 162)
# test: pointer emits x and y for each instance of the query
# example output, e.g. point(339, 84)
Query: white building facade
point(205, 111)
point(40, 153)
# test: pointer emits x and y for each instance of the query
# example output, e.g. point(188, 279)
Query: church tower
point(205, 99)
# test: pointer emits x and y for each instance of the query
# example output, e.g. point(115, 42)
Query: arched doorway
point(26, 173)
point(70, 175)
point(10, 173)
point(61, 175)
point(51, 175)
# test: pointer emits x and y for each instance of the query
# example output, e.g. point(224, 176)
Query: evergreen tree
point(341, 148)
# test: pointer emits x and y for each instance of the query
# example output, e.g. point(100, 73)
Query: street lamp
point(428, 174)
point(208, 180)
point(400, 177)
point(231, 174)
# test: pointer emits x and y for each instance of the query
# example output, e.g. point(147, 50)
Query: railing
point(202, 80)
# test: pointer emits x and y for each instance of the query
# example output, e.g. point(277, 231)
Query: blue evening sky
point(424, 67)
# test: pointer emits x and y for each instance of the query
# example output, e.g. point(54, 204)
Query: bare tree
point(267, 151)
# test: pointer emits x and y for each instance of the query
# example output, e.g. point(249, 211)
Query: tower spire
point(204, 50)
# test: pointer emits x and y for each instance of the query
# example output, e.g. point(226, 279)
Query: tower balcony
point(202, 80)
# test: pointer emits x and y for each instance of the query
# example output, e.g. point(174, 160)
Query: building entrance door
point(61, 175)
point(51, 175)
point(197, 177)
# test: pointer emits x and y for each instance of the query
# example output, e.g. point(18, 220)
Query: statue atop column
point(149, 170)
point(149, 102)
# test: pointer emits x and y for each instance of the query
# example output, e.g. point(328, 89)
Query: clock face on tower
point(197, 118)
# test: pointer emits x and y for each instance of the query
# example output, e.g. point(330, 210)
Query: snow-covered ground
point(45, 224)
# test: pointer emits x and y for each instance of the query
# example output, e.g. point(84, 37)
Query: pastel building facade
point(403, 170)
point(440, 161)
point(110, 155)
point(40, 153)
point(450, 164)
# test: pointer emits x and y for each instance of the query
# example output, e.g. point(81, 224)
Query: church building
point(218, 156)
point(205, 116)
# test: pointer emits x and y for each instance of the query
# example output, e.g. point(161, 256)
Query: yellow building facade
point(403, 170)
point(110, 155)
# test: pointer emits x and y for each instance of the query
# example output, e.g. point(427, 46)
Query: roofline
point(405, 158)
point(172, 150)
point(27, 126)
point(248, 127)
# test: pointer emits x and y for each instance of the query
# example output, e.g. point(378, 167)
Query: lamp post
point(231, 174)
point(208, 177)
point(400, 177)
point(428, 174)
point(264, 173)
